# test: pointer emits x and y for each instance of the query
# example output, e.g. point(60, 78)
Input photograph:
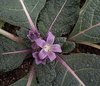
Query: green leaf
point(45, 74)
point(11, 11)
point(11, 61)
point(23, 82)
point(87, 28)
point(64, 22)
point(68, 46)
point(1, 23)
point(23, 32)
point(60, 40)
point(86, 66)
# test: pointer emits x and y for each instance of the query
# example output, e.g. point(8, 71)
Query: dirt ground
point(7, 78)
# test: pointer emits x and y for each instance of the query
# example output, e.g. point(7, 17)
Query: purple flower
point(48, 48)
point(37, 59)
point(33, 35)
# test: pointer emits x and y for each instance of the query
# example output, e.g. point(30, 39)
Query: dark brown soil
point(86, 49)
point(10, 77)
point(82, 3)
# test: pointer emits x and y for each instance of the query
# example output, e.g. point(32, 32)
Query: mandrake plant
point(50, 40)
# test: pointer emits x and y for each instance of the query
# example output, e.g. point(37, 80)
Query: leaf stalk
point(10, 36)
point(31, 75)
point(70, 70)
point(15, 52)
point(32, 25)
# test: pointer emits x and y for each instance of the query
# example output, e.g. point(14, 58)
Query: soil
point(10, 77)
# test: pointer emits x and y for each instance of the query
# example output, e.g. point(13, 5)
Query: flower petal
point(56, 48)
point(33, 35)
point(34, 47)
point(40, 42)
point(51, 56)
point(42, 54)
point(50, 38)
point(37, 60)
point(35, 55)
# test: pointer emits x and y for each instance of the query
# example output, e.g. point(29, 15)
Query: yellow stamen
point(47, 47)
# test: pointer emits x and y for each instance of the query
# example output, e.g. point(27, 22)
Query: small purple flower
point(37, 59)
point(48, 48)
point(33, 35)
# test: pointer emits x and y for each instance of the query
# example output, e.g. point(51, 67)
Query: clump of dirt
point(80, 48)
point(11, 28)
point(82, 3)
point(10, 77)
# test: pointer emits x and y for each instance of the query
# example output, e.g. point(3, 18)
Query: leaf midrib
point(81, 13)
point(81, 69)
point(59, 12)
point(23, 10)
point(82, 32)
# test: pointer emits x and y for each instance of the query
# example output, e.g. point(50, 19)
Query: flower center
point(47, 47)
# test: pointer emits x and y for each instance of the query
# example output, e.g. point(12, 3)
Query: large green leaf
point(23, 82)
point(86, 28)
point(45, 74)
point(11, 61)
point(11, 11)
point(66, 19)
point(23, 32)
point(86, 66)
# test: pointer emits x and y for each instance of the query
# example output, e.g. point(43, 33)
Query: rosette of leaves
point(86, 31)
